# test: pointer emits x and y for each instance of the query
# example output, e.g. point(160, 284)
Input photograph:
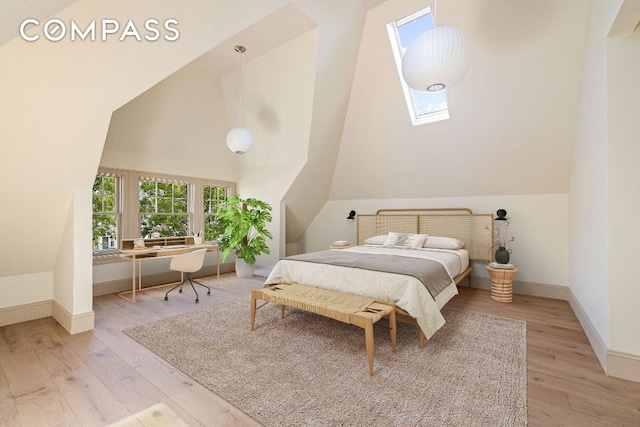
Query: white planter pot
point(244, 270)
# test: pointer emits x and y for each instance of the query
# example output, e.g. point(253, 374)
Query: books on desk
point(499, 266)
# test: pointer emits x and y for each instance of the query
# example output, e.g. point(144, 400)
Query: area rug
point(307, 370)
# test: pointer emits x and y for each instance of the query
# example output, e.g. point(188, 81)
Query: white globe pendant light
point(437, 59)
point(239, 140)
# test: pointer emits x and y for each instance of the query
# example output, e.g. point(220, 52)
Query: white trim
point(415, 15)
point(597, 344)
point(129, 225)
point(614, 363)
point(25, 313)
point(396, 47)
point(528, 288)
point(623, 365)
point(73, 323)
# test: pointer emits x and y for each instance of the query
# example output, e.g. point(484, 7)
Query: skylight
point(423, 107)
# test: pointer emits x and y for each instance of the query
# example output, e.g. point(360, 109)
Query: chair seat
point(188, 263)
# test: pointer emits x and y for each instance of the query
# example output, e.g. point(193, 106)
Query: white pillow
point(437, 242)
point(376, 240)
point(405, 240)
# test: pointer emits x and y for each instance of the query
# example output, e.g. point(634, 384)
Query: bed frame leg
point(420, 338)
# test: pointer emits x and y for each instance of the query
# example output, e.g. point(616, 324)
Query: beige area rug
point(307, 370)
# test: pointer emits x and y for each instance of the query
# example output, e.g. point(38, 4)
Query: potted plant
point(243, 223)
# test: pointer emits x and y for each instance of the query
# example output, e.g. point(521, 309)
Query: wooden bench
point(350, 309)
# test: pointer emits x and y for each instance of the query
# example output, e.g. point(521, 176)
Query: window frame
point(156, 198)
point(130, 227)
point(117, 213)
point(409, 94)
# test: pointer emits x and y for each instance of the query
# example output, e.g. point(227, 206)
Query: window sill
point(107, 258)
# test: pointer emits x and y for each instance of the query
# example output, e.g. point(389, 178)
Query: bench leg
point(369, 343)
point(392, 329)
point(420, 338)
point(282, 311)
point(253, 309)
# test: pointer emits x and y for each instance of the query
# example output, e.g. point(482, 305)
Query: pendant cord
point(433, 16)
point(240, 49)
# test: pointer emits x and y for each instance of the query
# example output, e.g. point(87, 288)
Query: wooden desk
point(154, 252)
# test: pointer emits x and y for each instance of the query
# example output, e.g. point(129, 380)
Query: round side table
point(502, 283)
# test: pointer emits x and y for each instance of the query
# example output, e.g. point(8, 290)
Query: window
point(212, 196)
point(105, 212)
point(130, 204)
point(163, 206)
point(423, 107)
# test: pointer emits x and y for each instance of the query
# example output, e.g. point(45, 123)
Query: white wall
point(539, 224)
point(589, 211)
point(279, 112)
point(177, 127)
point(72, 278)
point(623, 61)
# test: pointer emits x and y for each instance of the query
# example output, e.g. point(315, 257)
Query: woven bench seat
point(350, 309)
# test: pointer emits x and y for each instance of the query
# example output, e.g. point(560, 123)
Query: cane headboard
point(475, 230)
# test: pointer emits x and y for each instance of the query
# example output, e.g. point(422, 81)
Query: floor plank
point(48, 377)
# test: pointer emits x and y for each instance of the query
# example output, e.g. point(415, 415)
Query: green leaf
point(243, 225)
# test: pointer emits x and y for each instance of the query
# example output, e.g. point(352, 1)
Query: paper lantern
point(437, 59)
point(239, 140)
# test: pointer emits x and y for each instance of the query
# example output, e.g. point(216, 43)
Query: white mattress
point(406, 292)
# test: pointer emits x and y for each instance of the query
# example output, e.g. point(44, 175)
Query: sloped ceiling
point(513, 116)
point(15, 11)
point(628, 19)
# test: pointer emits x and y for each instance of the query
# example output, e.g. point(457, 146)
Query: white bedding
point(406, 292)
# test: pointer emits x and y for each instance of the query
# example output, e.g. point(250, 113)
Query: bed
point(413, 258)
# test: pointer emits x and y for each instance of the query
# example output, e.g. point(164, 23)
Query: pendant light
point(437, 59)
point(240, 139)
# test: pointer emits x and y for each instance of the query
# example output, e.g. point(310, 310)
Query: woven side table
point(502, 283)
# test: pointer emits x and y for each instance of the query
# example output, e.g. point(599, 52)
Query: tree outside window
point(105, 212)
point(212, 196)
point(163, 208)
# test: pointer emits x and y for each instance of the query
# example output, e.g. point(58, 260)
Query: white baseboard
point(74, 324)
point(614, 363)
point(26, 312)
point(596, 341)
point(623, 365)
point(528, 288)
point(121, 285)
point(39, 310)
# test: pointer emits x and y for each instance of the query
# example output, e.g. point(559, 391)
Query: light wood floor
point(49, 378)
